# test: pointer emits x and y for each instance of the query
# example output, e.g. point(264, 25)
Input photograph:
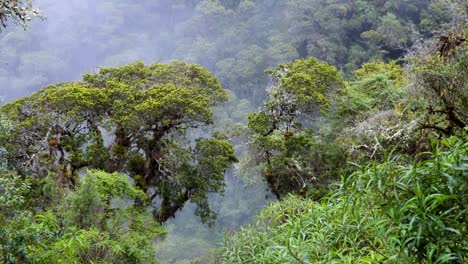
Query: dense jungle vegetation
point(233, 131)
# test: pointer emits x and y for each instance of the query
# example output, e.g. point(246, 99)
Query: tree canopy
point(131, 119)
point(236, 40)
point(355, 134)
point(20, 11)
point(281, 139)
point(95, 223)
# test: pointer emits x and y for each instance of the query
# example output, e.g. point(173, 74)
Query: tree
point(371, 115)
point(393, 211)
point(98, 222)
point(102, 224)
point(150, 115)
point(282, 130)
point(440, 82)
point(20, 11)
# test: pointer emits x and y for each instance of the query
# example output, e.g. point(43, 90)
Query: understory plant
point(388, 212)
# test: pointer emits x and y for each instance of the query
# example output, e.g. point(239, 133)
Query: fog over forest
point(236, 40)
point(321, 100)
point(80, 36)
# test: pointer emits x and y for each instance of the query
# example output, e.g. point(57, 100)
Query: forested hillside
point(236, 40)
point(233, 131)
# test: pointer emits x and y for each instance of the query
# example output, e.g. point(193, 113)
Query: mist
point(81, 36)
point(237, 40)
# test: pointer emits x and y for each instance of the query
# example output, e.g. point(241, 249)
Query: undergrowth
point(389, 212)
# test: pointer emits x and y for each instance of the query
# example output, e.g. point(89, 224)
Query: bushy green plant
point(388, 212)
point(97, 223)
point(439, 80)
point(282, 138)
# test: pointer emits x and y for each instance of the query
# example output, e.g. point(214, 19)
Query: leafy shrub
point(388, 212)
point(97, 223)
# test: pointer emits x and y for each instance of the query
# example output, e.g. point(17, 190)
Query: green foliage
point(328, 30)
point(358, 120)
point(19, 11)
point(388, 212)
point(91, 204)
point(371, 114)
point(12, 189)
point(440, 83)
point(281, 138)
point(390, 33)
point(148, 110)
point(98, 223)
point(156, 122)
point(103, 225)
point(435, 15)
point(236, 40)
point(378, 86)
point(305, 83)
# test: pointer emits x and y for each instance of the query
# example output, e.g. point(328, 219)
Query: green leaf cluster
point(97, 223)
point(389, 212)
point(282, 139)
point(145, 113)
